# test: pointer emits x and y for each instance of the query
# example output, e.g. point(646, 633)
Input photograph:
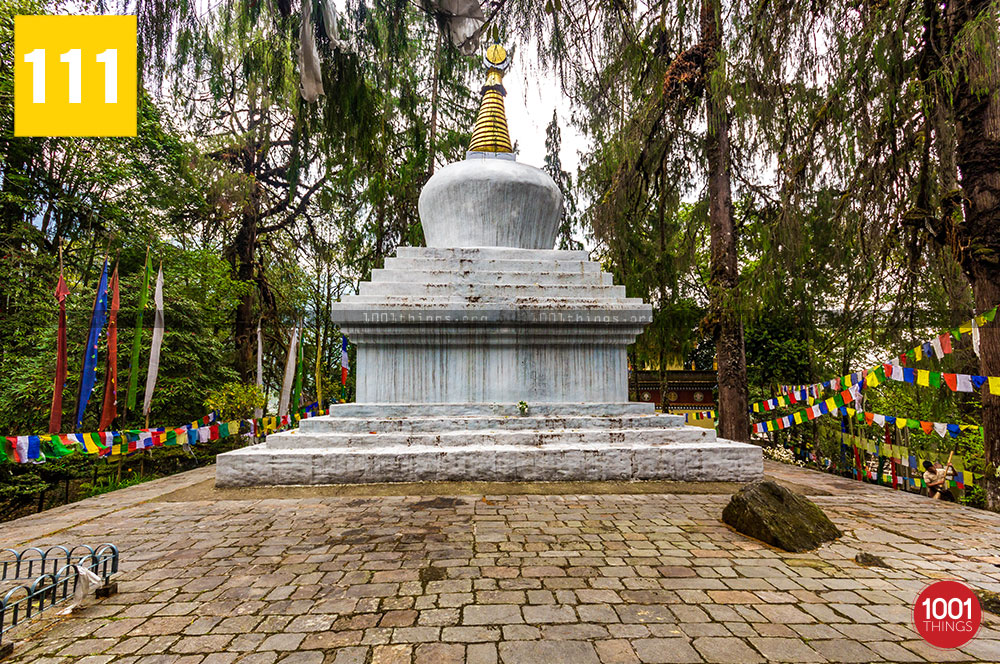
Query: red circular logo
point(947, 614)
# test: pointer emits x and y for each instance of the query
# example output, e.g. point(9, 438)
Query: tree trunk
point(244, 326)
point(734, 418)
point(977, 130)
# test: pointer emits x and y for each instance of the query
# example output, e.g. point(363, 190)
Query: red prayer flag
point(927, 426)
point(214, 432)
point(55, 417)
point(110, 410)
point(945, 342)
point(951, 380)
point(869, 418)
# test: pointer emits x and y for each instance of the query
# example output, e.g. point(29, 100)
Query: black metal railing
point(54, 577)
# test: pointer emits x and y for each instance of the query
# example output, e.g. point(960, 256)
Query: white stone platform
point(366, 443)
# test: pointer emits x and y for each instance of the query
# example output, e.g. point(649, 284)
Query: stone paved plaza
point(594, 574)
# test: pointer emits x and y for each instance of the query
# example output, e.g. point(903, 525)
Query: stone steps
point(454, 410)
point(491, 291)
point(381, 425)
point(486, 439)
point(493, 253)
point(497, 277)
point(548, 303)
point(622, 461)
point(561, 266)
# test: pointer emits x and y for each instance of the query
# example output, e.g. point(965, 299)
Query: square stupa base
point(379, 443)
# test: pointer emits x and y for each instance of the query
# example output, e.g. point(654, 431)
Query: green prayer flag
point(880, 373)
point(913, 424)
point(133, 374)
point(991, 314)
point(934, 379)
point(3, 449)
point(55, 447)
point(957, 333)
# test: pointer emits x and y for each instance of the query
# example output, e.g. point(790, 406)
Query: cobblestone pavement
point(520, 579)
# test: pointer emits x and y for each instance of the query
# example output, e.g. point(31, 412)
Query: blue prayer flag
point(97, 319)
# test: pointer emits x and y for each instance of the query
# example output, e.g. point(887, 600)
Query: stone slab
point(262, 465)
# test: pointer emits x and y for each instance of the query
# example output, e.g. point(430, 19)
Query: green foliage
point(235, 401)
point(109, 484)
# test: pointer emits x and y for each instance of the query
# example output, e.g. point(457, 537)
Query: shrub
point(235, 401)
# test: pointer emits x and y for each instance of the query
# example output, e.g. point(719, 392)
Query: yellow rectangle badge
point(75, 76)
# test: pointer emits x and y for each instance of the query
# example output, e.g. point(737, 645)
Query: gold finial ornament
point(490, 134)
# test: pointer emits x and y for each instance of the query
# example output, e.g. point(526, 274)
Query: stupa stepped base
point(375, 443)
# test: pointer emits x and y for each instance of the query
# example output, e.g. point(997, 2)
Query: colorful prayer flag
point(133, 375)
point(55, 416)
point(289, 375)
point(154, 349)
point(88, 376)
point(110, 409)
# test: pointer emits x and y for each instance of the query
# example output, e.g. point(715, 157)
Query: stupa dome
point(491, 200)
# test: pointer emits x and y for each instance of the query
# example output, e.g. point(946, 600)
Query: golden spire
point(490, 133)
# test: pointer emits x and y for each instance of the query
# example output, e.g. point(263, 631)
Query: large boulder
point(771, 513)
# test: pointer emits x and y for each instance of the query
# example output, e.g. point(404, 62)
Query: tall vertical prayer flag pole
point(55, 417)
point(299, 370)
point(259, 412)
point(110, 410)
point(154, 349)
point(345, 367)
point(289, 375)
point(319, 354)
point(137, 337)
point(88, 376)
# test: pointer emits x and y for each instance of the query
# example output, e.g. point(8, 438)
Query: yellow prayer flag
point(900, 422)
point(851, 411)
point(872, 378)
point(966, 327)
point(923, 377)
point(918, 353)
point(798, 417)
point(994, 385)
